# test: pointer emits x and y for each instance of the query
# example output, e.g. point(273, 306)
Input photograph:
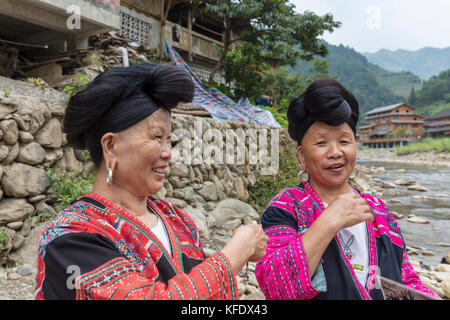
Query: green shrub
point(80, 81)
point(267, 187)
point(69, 187)
point(3, 239)
point(427, 144)
point(281, 117)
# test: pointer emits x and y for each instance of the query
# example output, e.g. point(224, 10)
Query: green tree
point(283, 87)
point(412, 97)
point(435, 89)
point(243, 68)
point(353, 71)
point(271, 26)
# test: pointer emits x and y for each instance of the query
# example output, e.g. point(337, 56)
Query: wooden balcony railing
point(200, 45)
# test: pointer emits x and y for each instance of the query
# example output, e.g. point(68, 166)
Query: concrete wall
point(73, 20)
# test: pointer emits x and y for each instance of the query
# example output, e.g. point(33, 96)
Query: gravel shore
point(389, 155)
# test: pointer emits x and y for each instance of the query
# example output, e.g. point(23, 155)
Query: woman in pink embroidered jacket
point(326, 239)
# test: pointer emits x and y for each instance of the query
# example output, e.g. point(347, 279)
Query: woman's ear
point(108, 143)
point(301, 158)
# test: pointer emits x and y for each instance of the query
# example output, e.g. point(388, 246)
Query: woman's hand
point(344, 211)
point(248, 243)
point(348, 210)
point(254, 236)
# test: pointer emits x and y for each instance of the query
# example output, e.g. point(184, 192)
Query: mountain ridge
point(365, 80)
point(425, 62)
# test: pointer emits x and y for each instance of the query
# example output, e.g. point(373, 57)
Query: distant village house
point(437, 125)
point(391, 125)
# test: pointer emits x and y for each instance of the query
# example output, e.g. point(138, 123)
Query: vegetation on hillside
point(400, 83)
point(356, 74)
point(436, 89)
point(424, 63)
point(434, 95)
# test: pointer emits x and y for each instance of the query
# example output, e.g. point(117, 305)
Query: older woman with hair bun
point(120, 242)
point(327, 240)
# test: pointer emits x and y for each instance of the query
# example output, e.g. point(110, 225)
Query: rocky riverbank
point(418, 196)
point(429, 158)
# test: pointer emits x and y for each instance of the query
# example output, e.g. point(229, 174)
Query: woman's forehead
point(323, 129)
point(160, 119)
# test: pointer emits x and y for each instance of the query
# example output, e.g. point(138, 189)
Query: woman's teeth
point(159, 170)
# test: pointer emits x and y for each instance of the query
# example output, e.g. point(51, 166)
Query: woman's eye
point(344, 142)
point(320, 143)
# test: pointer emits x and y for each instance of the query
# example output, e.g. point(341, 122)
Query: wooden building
point(391, 125)
point(198, 39)
point(49, 28)
point(437, 125)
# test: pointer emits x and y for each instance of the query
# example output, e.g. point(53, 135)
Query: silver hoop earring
point(109, 177)
point(303, 176)
point(354, 173)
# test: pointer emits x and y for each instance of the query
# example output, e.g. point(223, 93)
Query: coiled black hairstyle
point(325, 100)
point(120, 98)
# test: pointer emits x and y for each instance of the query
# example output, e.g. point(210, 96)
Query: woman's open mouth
point(160, 172)
point(338, 167)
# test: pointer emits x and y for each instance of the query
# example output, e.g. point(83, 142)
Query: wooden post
point(190, 34)
point(161, 32)
point(164, 14)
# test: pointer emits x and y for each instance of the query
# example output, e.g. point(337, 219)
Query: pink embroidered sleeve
point(283, 273)
point(411, 279)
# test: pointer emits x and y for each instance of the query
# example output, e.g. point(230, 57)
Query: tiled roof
point(443, 114)
point(384, 109)
point(380, 133)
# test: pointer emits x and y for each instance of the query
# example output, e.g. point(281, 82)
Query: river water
point(432, 205)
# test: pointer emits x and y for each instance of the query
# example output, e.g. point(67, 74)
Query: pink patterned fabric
point(284, 272)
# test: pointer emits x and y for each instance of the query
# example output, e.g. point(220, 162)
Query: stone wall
point(214, 163)
point(31, 145)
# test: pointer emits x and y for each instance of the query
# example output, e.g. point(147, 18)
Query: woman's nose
point(334, 151)
point(166, 152)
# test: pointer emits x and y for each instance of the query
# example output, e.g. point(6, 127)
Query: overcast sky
point(370, 25)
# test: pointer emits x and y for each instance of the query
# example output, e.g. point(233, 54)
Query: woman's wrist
point(238, 251)
point(330, 223)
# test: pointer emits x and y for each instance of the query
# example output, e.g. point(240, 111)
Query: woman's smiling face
point(328, 153)
point(142, 154)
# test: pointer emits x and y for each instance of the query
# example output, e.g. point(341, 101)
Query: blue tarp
point(218, 104)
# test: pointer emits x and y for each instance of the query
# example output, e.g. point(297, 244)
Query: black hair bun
point(168, 85)
point(124, 92)
point(325, 100)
